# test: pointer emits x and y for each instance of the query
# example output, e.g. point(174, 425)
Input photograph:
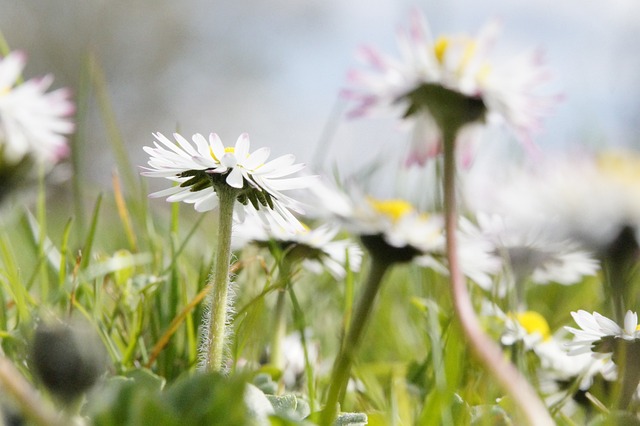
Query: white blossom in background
point(530, 254)
point(584, 198)
point(403, 227)
point(557, 364)
point(33, 122)
point(317, 247)
point(509, 88)
point(194, 165)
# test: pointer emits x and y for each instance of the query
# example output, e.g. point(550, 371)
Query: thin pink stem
point(486, 350)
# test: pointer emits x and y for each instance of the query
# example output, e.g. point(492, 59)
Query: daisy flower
point(33, 122)
point(201, 167)
point(397, 229)
point(556, 363)
point(530, 254)
point(315, 247)
point(598, 333)
point(590, 199)
point(506, 91)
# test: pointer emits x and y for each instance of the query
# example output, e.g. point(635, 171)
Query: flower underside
point(448, 107)
point(202, 179)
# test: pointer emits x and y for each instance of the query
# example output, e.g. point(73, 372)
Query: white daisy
point(588, 199)
point(403, 233)
point(508, 90)
point(32, 122)
point(556, 363)
point(597, 332)
point(315, 247)
point(209, 163)
point(530, 254)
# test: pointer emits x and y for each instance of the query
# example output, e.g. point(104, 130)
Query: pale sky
point(274, 68)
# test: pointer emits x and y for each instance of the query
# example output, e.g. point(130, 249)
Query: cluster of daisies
point(555, 221)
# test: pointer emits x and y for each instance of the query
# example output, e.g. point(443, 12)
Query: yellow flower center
point(227, 150)
point(394, 209)
point(533, 322)
point(440, 48)
point(4, 90)
point(466, 45)
point(623, 167)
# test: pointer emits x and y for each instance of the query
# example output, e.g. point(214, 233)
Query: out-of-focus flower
point(556, 364)
point(315, 247)
point(198, 169)
point(531, 255)
point(396, 229)
point(294, 358)
point(33, 123)
point(508, 90)
point(589, 199)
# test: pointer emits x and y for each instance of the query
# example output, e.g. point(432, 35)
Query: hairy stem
point(219, 283)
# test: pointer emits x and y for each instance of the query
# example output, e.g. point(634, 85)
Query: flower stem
point(219, 282)
point(280, 320)
point(342, 365)
point(486, 350)
point(629, 370)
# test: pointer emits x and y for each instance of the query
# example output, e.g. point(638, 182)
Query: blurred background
point(274, 68)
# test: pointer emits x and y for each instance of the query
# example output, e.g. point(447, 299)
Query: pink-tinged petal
point(235, 179)
point(373, 58)
point(216, 146)
point(418, 27)
point(256, 159)
point(242, 146)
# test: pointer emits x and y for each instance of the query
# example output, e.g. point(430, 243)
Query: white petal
point(241, 149)
point(630, 322)
point(235, 178)
point(256, 159)
point(216, 146)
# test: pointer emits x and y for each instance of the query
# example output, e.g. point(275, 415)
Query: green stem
point(629, 370)
point(219, 283)
point(342, 365)
point(486, 350)
point(280, 318)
